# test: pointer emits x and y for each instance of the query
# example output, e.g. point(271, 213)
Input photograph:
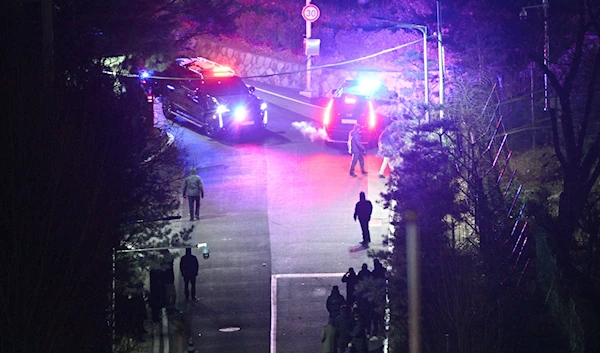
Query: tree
point(574, 75)
point(81, 168)
point(477, 253)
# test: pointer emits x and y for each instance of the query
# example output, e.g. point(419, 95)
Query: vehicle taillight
point(327, 115)
point(350, 100)
point(372, 116)
point(223, 71)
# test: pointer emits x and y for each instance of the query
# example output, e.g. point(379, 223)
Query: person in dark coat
point(363, 211)
point(378, 304)
point(364, 305)
point(356, 148)
point(344, 323)
point(358, 336)
point(193, 190)
point(378, 270)
point(189, 271)
point(350, 279)
point(334, 302)
point(168, 274)
point(364, 273)
point(329, 335)
point(158, 296)
point(130, 312)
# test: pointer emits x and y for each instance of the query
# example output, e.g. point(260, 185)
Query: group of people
point(162, 282)
point(358, 317)
point(357, 150)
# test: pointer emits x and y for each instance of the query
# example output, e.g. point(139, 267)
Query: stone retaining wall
point(281, 73)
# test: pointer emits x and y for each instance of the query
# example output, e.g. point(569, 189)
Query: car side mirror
point(251, 89)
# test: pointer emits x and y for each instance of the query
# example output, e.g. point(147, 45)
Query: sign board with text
point(312, 46)
point(311, 13)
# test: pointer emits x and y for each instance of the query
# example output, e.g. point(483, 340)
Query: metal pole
point(425, 72)
point(113, 300)
point(546, 52)
point(440, 57)
point(412, 259)
point(308, 57)
point(532, 97)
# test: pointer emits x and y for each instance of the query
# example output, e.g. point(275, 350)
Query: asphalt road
point(277, 217)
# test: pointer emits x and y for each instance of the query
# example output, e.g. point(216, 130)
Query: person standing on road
point(189, 271)
point(329, 334)
point(378, 299)
point(364, 277)
point(344, 323)
point(379, 271)
point(385, 150)
point(168, 275)
point(158, 295)
point(363, 211)
point(356, 149)
point(193, 191)
point(350, 279)
point(334, 302)
point(359, 337)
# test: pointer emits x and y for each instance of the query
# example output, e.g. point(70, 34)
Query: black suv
point(352, 104)
point(210, 97)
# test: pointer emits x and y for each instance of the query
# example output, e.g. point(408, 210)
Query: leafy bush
point(266, 30)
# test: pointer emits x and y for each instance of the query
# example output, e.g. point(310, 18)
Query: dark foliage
point(75, 140)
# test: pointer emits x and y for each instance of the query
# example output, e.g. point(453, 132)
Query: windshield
point(223, 86)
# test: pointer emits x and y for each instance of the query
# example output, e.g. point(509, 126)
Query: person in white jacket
point(193, 190)
point(356, 148)
point(385, 150)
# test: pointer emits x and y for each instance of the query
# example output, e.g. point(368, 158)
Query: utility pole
point(310, 13)
point(441, 62)
point(308, 57)
point(523, 15)
point(414, 286)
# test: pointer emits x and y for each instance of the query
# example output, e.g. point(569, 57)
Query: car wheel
point(260, 133)
point(167, 108)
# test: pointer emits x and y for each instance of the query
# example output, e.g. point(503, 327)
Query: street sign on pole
point(311, 13)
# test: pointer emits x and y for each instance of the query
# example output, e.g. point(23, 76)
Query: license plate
point(249, 122)
point(349, 121)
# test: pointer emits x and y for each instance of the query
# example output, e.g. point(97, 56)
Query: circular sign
point(311, 13)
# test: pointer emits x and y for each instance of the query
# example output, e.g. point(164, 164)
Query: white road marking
point(274, 279)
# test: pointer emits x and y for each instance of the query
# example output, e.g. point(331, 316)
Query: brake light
point(350, 100)
point(327, 115)
point(372, 116)
point(223, 71)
